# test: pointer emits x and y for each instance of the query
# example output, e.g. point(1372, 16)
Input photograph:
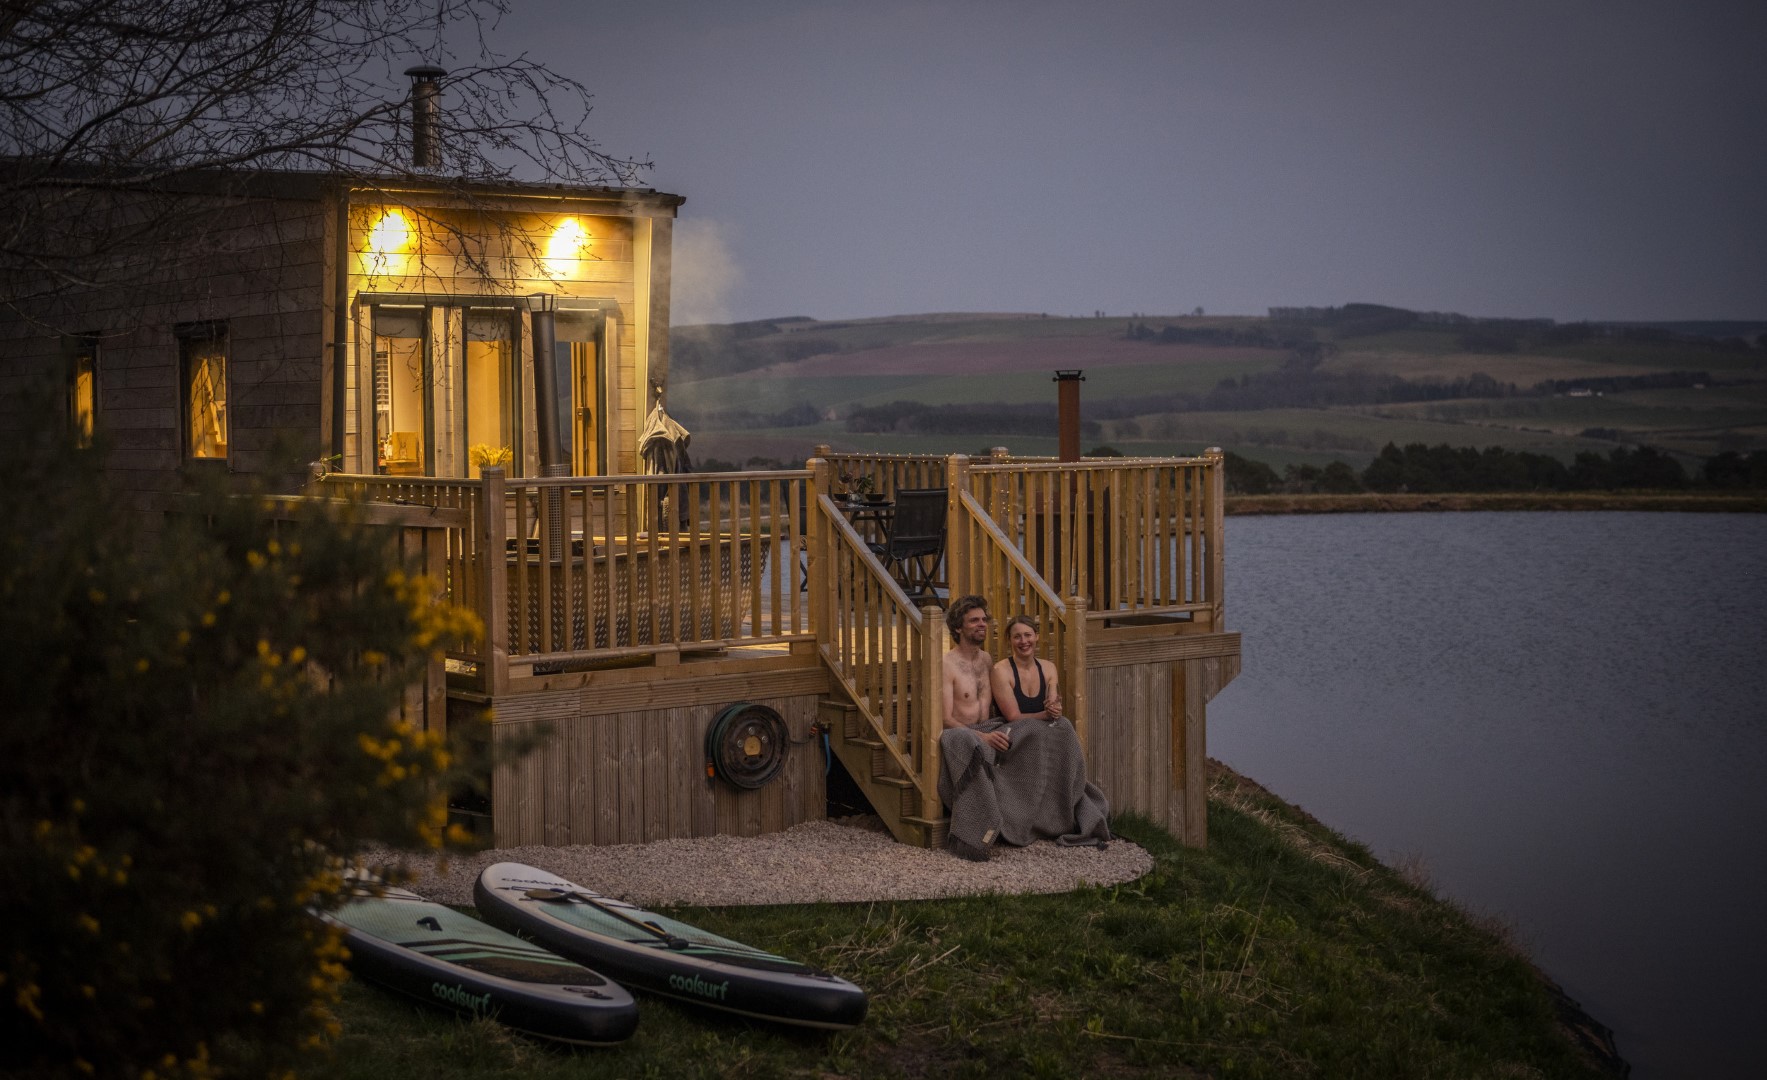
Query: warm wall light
point(387, 242)
point(565, 247)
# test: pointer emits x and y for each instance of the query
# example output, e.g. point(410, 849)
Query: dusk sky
point(1574, 159)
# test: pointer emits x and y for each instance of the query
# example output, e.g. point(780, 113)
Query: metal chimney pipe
point(426, 143)
point(543, 308)
point(1068, 414)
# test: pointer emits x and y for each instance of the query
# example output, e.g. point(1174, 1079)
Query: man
point(966, 693)
point(1042, 794)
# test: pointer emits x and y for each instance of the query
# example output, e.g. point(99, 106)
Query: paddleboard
point(452, 960)
point(665, 956)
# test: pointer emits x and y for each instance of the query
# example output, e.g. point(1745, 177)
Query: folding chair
point(916, 541)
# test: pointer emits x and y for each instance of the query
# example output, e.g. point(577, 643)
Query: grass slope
point(1281, 951)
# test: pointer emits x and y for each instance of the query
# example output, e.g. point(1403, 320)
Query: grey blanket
point(1037, 790)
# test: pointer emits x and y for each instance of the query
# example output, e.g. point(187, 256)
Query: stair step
point(894, 781)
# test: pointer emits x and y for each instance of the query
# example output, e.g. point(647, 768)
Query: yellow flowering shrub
point(200, 725)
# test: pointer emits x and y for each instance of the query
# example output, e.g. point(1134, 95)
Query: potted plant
point(859, 486)
point(486, 456)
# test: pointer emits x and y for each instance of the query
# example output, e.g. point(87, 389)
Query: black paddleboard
point(453, 961)
point(647, 951)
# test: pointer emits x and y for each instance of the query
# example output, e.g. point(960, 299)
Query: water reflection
point(1563, 714)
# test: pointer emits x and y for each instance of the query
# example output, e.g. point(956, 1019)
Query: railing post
point(1216, 514)
point(957, 575)
point(930, 708)
point(494, 581)
point(1074, 705)
point(815, 546)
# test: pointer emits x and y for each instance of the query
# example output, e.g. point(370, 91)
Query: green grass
point(1280, 951)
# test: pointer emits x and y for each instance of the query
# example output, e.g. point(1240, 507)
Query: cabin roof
point(319, 184)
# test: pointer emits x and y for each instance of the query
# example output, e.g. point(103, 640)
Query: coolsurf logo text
point(699, 987)
point(457, 995)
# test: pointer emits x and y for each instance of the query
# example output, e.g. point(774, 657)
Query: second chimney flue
point(426, 143)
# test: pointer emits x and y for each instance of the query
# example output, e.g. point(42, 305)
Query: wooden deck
point(622, 612)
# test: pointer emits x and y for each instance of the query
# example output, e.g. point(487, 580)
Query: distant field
point(1355, 436)
point(976, 372)
point(1522, 369)
point(981, 359)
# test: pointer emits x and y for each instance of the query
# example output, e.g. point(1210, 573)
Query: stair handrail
point(845, 630)
point(982, 574)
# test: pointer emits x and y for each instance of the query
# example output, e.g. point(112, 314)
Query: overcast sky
point(1575, 159)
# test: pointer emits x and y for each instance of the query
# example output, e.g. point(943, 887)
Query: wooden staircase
point(895, 795)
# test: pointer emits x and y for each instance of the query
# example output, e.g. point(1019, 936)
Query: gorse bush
point(199, 723)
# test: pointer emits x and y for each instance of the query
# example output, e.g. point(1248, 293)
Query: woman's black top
point(1031, 703)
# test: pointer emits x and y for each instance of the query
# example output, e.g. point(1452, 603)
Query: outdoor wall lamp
point(387, 241)
point(565, 247)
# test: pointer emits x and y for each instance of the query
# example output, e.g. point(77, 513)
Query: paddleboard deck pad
point(454, 961)
point(664, 956)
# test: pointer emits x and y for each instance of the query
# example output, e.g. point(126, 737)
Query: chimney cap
point(426, 71)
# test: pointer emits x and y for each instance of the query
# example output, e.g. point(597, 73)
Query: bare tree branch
point(131, 96)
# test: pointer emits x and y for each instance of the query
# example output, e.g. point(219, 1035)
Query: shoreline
point(1405, 502)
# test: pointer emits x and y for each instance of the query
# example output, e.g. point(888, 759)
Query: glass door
point(399, 375)
point(581, 396)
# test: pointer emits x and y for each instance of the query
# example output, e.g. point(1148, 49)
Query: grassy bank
point(1283, 950)
point(1372, 502)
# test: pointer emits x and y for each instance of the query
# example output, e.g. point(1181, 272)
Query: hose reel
point(746, 745)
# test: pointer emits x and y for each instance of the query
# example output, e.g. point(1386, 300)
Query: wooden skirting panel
point(1103, 649)
point(1147, 745)
point(639, 775)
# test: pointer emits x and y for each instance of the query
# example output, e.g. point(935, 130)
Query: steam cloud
point(705, 273)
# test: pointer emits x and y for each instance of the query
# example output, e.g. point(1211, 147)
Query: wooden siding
point(255, 265)
point(638, 775)
point(1146, 745)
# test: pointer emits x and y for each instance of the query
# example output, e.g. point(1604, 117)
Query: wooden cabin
point(692, 650)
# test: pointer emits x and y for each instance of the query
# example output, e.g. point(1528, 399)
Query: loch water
point(1562, 715)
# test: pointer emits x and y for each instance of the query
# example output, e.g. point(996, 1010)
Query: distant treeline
point(988, 419)
point(1299, 387)
point(1615, 384)
point(1443, 469)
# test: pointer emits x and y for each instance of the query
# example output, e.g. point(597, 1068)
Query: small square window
point(202, 355)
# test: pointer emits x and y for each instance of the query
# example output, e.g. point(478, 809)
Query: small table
point(880, 514)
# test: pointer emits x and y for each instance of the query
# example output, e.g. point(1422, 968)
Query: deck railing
point(889, 473)
point(589, 569)
point(983, 560)
point(1135, 537)
point(887, 652)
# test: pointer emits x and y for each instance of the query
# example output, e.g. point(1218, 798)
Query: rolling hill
point(1302, 386)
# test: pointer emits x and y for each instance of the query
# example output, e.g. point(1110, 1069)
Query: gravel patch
point(818, 861)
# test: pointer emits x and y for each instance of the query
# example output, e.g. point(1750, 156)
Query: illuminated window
point(400, 423)
point(202, 355)
point(82, 389)
point(488, 368)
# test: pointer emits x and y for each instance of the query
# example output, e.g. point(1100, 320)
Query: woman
point(1025, 686)
point(1034, 788)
